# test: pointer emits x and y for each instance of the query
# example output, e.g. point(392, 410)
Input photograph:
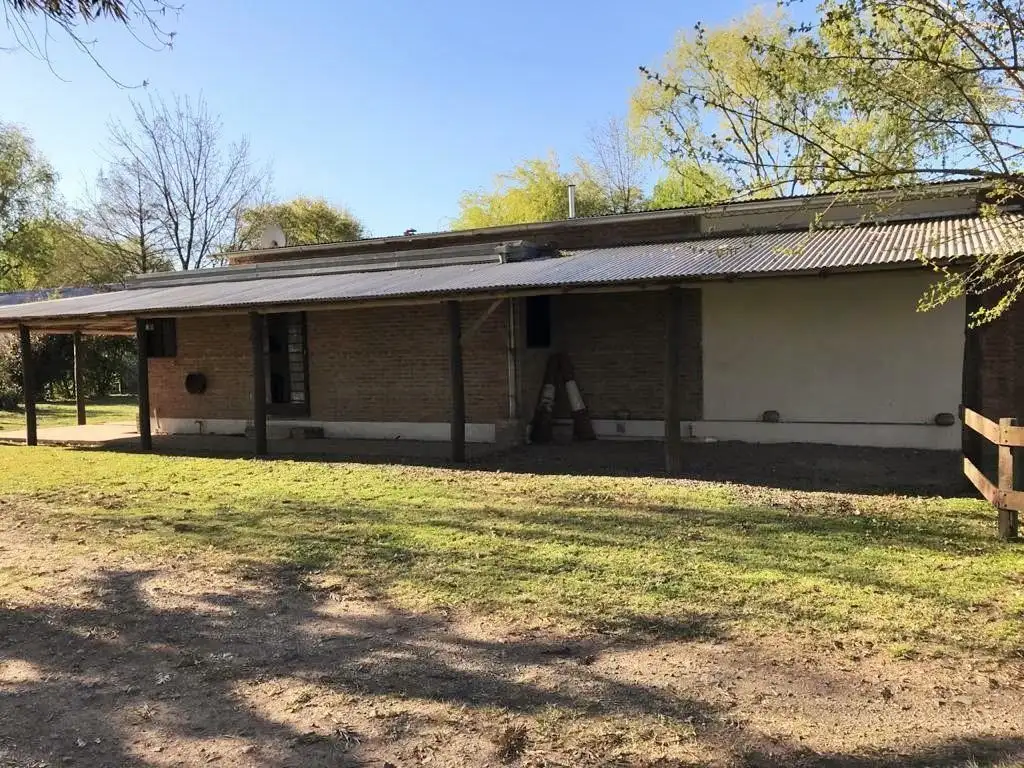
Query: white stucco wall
point(843, 359)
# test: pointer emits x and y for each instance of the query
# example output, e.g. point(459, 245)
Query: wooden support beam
point(458, 384)
point(76, 343)
point(28, 381)
point(1008, 519)
point(257, 325)
point(971, 441)
point(145, 430)
point(673, 340)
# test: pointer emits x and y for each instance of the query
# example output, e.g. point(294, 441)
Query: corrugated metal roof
point(846, 248)
point(12, 298)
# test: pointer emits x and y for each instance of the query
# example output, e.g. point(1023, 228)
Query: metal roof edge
point(839, 250)
point(521, 231)
point(474, 253)
point(630, 285)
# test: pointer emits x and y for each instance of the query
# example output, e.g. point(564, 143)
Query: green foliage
point(69, 256)
point(784, 109)
point(51, 361)
point(865, 94)
point(305, 221)
point(26, 206)
point(109, 365)
point(535, 190)
point(38, 246)
point(699, 105)
point(10, 373)
point(689, 184)
point(893, 85)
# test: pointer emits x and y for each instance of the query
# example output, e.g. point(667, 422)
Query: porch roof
point(331, 282)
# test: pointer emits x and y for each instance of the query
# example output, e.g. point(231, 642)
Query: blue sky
point(392, 108)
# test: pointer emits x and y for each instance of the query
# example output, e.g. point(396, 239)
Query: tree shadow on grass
point(119, 679)
point(544, 545)
point(792, 466)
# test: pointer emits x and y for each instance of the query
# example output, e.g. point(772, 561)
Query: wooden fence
point(1003, 494)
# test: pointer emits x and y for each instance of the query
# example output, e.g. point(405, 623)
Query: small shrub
point(903, 652)
point(511, 743)
point(10, 373)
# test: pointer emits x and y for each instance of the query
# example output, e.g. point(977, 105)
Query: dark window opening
point(161, 337)
point(538, 322)
point(287, 370)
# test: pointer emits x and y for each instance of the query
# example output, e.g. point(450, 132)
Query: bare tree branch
point(617, 166)
point(34, 24)
point(175, 185)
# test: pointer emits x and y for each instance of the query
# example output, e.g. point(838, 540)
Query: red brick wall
point(616, 342)
point(217, 347)
point(382, 364)
point(392, 364)
point(1001, 377)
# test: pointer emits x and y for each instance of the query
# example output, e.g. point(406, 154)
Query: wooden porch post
point(145, 430)
point(458, 384)
point(28, 381)
point(1008, 518)
point(673, 338)
point(257, 323)
point(76, 342)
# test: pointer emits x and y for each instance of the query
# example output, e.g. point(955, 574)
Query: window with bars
point(287, 370)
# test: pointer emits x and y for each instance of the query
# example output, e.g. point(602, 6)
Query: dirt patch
point(799, 466)
point(108, 659)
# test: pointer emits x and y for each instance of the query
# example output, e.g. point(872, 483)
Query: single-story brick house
point(741, 319)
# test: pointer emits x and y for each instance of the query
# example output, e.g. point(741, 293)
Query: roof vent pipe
point(572, 201)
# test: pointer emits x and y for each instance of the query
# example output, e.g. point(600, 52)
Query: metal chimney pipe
point(572, 201)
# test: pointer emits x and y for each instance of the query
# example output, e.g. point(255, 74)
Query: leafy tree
point(774, 108)
point(33, 24)
point(304, 220)
point(535, 190)
point(867, 94)
point(27, 206)
point(698, 106)
point(109, 363)
point(10, 373)
point(686, 183)
point(74, 257)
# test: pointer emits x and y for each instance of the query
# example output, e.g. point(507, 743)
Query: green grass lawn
point(111, 409)
point(913, 575)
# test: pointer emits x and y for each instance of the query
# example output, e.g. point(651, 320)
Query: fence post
point(1008, 522)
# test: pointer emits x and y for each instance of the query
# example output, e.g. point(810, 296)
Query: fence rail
point(1003, 493)
point(1005, 433)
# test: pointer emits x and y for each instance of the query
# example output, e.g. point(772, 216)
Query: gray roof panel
point(775, 253)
